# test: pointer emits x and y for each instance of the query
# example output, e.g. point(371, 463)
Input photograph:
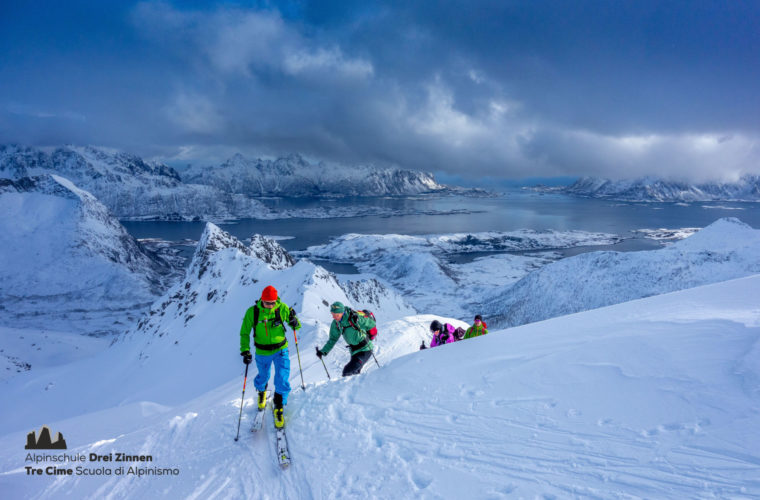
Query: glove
point(319, 353)
point(293, 321)
point(246, 357)
point(423, 346)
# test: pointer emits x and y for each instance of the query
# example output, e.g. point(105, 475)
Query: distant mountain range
point(747, 188)
point(293, 176)
point(133, 188)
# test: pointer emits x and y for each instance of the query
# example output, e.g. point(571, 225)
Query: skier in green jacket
point(267, 319)
point(353, 326)
point(477, 329)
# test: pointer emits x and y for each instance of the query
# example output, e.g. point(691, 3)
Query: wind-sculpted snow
point(293, 176)
point(653, 189)
point(724, 250)
point(67, 263)
point(655, 398)
point(421, 266)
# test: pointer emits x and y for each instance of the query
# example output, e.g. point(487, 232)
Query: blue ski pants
point(281, 360)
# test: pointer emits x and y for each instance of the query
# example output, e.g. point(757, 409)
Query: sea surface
point(514, 210)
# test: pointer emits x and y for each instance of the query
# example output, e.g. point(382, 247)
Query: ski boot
point(262, 400)
point(279, 411)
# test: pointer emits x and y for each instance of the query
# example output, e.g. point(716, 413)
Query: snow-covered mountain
point(293, 176)
point(724, 250)
point(130, 187)
point(653, 189)
point(655, 398)
point(195, 325)
point(67, 263)
point(424, 270)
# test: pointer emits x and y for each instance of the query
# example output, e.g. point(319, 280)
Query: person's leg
point(263, 364)
point(282, 374)
point(357, 362)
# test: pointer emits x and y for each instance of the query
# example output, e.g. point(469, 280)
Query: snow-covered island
point(652, 189)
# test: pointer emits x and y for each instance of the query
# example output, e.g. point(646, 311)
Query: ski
point(258, 420)
point(283, 453)
point(281, 440)
point(258, 417)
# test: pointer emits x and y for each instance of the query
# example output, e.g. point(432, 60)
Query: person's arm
point(245, 330)
point(288, 319)
point(334, 336)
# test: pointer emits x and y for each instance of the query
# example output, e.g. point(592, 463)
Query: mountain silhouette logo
point(43, 442)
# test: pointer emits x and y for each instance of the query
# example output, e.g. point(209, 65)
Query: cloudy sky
point(475, 89)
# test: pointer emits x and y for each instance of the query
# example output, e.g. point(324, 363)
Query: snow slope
point(67, 264)
point(193, 331)
point(654, 398)
point(724, 250)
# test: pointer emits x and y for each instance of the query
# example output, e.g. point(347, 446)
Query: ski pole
point(373, 355)
point(245, 380)
point(303, 386)
point(323, 364)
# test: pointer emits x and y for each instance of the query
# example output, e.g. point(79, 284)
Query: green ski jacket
point(351, 335)
point(475, 331)
point(268, 334)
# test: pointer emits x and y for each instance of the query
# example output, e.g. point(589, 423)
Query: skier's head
point(435, 326)
point(337, 309)
point(269, 296)
point(478, 318)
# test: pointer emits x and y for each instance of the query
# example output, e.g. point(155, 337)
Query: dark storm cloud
point(501, 89)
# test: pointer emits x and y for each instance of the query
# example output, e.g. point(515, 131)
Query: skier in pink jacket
point(442, 334)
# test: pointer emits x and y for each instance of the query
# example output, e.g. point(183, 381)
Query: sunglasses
point(269, 303)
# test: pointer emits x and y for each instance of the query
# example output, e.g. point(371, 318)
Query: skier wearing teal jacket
point(271, 347)
point(353, 326)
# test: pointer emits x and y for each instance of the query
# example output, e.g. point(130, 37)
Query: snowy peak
point(81, 267)
point(212, 241)
point(722, 235)
point(747, 188)
point(270, 252)
point(43, 184)
point(126, 184)
point(374, 295)
point(294, 176)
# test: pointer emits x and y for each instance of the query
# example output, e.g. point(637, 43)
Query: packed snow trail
point(658, 397)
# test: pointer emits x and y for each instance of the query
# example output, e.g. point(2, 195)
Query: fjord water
point(460, 214)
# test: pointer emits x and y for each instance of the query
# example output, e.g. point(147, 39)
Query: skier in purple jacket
point(442, 334)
